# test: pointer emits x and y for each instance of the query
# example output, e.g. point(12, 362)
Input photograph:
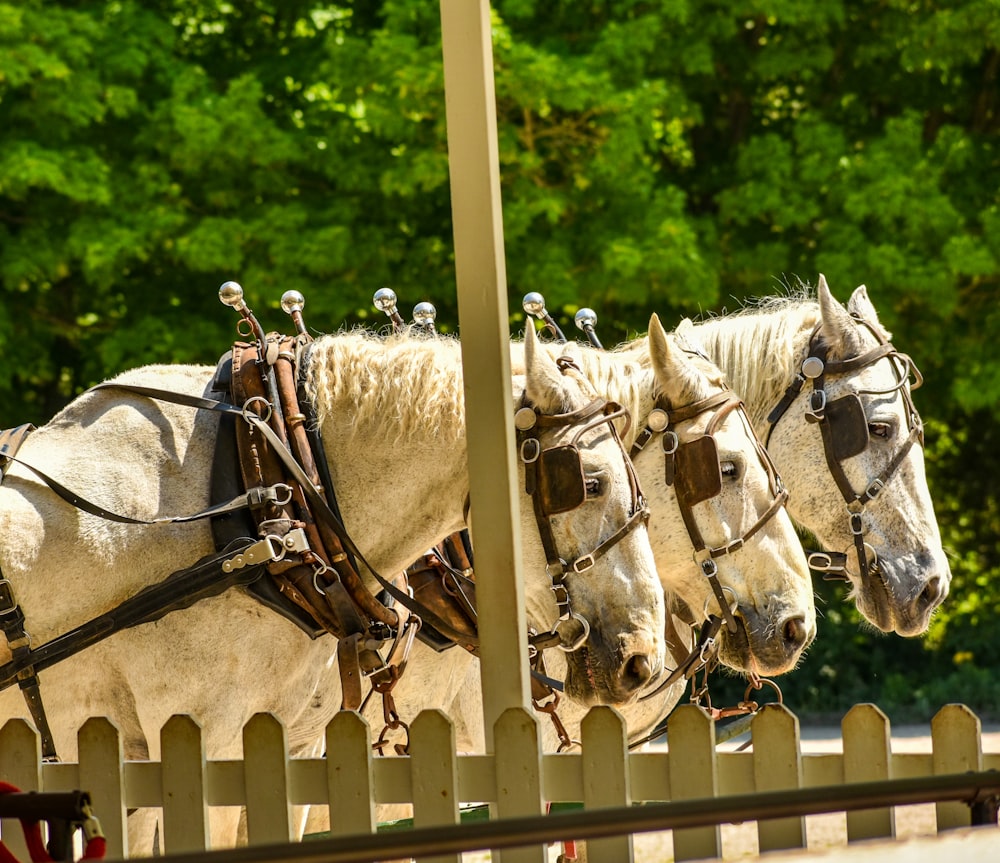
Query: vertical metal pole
point(480, 271)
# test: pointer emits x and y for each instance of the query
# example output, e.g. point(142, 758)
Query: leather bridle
point(693, 468)
point(555, 480)
point(844, 429)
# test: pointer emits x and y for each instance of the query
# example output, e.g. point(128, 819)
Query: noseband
point(844, 429)
point(554, 478)
point(693, 468)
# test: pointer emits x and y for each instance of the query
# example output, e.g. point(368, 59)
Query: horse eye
point(730, 470)
point(880, 430)
point(593, 486)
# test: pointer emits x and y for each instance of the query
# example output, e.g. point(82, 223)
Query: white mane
point(776, 328)
point(416, 381)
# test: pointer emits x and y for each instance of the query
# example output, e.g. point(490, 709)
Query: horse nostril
point(795, 633)
point(931, 595)
point(637, 671)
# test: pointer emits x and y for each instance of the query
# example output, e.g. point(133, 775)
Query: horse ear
point(676, 376)
point(861, 306)
point(838, 327)
point(545, 385)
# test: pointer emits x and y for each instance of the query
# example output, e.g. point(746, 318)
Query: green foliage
point(668, 155)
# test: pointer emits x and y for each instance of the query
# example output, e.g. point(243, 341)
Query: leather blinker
point(849, 425)
point(562, 484)
point(698, 475)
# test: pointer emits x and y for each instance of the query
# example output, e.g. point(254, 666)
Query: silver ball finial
point(585, 318)
point(424, 314)
point(292, 301)
point(534, 304)
point(385, 300)
point(231, 294)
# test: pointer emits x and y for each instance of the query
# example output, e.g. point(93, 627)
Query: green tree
point(669, 155)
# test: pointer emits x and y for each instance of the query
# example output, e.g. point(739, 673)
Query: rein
point(844, 430)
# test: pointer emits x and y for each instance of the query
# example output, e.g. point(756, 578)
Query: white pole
point(483, 322)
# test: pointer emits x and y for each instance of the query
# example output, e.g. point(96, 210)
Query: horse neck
point(760, 352)
point(391, 415)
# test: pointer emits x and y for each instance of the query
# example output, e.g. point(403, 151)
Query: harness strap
point(177, 591)
point(313, 494)
point(12, 617)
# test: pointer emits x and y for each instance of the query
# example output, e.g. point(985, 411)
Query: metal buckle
point(578, 642)
point(817, 404)
point(582, 564)
point(527, 457)
point(670, 442)
point(874, 489)
point(261, 551)
point(821, 562)
point(556, 570)
point(735, 545)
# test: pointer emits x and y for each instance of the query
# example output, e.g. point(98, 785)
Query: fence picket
point(693, 773)
point(867, 758)
point(194, 793)
point(606, 777)
point(101, 773)
point(21, 766)
point(956, 738)
point(435, 775)
point(185, 811)
point(349, 774)
point(265, 777)
point(518, 777)
point(777, 766)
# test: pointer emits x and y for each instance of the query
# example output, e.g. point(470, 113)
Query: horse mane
point(410, 383)
point(775, 327)
point(621, 375)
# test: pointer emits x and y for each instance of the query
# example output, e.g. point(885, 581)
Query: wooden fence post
point(956, 738)
point(867, 758)
point(434, 769)
point(21, 766)
point(102, 774)
point(694, 772)
point(185, 811)
point(777, 766)
point(265, 778)
point(606, 780)
point(519, 778)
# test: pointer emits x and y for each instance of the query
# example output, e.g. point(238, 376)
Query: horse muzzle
point(900, 595)
point(766, 644)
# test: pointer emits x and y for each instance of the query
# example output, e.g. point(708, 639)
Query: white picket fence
point(518, 779)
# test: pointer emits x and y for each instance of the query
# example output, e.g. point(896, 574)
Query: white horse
point(764, 579)
point(867, 501)
point(227, 658)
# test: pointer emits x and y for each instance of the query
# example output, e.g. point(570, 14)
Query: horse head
point(718, 514)
point(853, 434)
point(602, 594)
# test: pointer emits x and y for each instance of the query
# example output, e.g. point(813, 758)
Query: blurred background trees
point(680, 156)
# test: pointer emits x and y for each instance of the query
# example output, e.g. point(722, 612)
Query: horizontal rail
point(974, 788)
